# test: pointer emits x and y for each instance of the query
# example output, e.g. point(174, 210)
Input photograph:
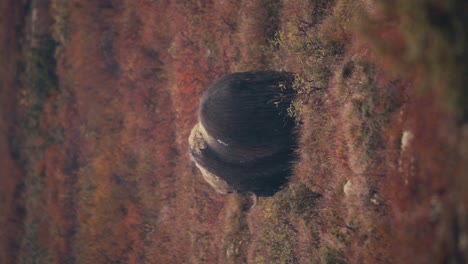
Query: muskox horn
point(245, 140)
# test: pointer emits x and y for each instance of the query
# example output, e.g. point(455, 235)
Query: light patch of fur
point(209, 139)
point(222, 142)
point(198, 143)
point(220, 185)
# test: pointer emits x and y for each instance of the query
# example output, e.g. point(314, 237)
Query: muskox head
point(244, 140)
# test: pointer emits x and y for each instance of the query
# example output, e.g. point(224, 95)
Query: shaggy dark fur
point(250, 137)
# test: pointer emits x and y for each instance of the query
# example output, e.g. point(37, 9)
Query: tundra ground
point(97, 100)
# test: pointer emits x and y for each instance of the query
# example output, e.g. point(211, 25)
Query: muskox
point(245, 140)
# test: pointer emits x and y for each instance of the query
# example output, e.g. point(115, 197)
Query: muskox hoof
point(244, 140)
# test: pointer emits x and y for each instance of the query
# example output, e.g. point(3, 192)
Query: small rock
point(375, 199)
point(348, 188)
point(406, 139)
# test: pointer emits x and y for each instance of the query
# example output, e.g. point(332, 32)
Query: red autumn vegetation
point(97, 100)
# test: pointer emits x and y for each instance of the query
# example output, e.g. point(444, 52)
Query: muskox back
point(245, 137)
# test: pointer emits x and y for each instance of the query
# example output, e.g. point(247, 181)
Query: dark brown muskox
point(245, 140)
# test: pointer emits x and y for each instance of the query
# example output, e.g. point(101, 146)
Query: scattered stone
point(348, 188)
